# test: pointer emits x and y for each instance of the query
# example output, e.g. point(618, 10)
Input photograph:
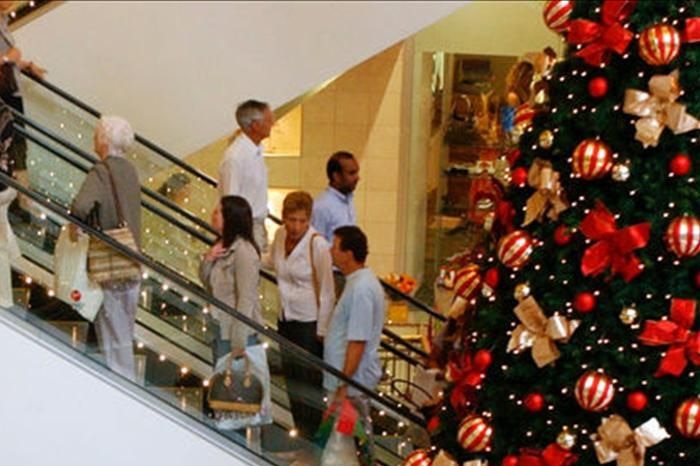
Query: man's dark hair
point(333, 164)
point(352, 239)
point(249, 111)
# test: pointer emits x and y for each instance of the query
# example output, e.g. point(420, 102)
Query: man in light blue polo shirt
point(334, 207)
point(353, 336)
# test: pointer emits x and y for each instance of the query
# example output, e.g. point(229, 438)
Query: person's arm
point(246, 276)
point(353, 356)
point(323, 263)
point(319, 220)
point(88, 194)
point(13, 55)
point(230, 177)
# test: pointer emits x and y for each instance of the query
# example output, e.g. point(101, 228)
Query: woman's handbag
point(106, 264)
point(239, 390)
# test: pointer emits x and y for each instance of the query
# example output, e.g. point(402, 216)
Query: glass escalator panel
point(177, 325)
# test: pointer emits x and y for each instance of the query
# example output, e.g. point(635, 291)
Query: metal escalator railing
point(385, 410)
point(84, 160)
point(204, 178)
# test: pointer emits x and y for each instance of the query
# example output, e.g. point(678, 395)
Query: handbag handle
point(117, 204)
point(314, 273)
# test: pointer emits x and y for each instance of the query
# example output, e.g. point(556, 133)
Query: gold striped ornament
point(683, 236)
point(594, 391)
point(474, 434)
point(687, 418)
point(659, 44)
point(592, 159)
point(418, 457)
point(515, 248)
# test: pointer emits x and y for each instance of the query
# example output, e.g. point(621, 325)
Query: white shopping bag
point(71, 282)
point(257, 356)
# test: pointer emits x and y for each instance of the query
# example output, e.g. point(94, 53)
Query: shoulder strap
point(117, 204)
point(4, 37)
point(314, 273)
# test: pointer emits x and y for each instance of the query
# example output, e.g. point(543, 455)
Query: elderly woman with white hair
point(115, 320)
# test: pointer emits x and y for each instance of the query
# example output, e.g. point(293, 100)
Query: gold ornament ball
point(522, 291)
point(546, 139)
point(566, 439)
point(620, 172)
point(628, 315)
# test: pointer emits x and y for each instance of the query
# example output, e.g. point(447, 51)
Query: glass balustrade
point(176, 325)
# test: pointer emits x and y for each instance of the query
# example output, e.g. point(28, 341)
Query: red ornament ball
point(524, 114)
point(467, 282)
point(534, 402)
point(75, 295)
point(680, 165)
point(418, 457)
point(637, 400)
point(518, 177)
point(594, 391)
point(584, 302)
point(510, 460)
point(515, 248)
point(598, 87)
point(492, 277)
point(562, 235)
point(482, 360)
point(659, 44)
point(592, 159)
point(683, 236)
point(556, 14)
point(474, 434)
point(687, 419)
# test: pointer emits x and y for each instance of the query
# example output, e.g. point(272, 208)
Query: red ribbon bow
point(605, 37)
point(685, 344)
point(691, 33)
point(465, 376)
point(614, 247)
point(553, 455)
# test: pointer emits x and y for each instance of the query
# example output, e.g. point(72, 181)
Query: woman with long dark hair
point(231, 271)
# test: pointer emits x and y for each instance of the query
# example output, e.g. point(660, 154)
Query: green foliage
point(554, 275)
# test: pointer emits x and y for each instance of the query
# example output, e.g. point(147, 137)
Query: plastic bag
point(339, 451)
point(71, 282)
point(257, 356)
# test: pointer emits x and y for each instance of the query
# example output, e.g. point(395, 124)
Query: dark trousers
point(304, 383)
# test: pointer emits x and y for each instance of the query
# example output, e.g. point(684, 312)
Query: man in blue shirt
point(334, 207)
point(354, 333)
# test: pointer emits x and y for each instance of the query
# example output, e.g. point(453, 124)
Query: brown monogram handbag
point(235, 390)
point(106, 264)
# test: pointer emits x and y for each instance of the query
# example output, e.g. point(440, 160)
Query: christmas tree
point(582, 345)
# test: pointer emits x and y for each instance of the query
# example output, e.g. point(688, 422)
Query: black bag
point(8, 81)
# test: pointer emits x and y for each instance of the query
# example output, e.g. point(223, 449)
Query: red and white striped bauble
point(524, 114)
point(474, 434)
point(556, 14)
point(683, 236)
point(688, 418)
point(592, 159)
point(418, 457)
point(515, 248)
point(594, 391)
point(659, 44)
point(468, 282)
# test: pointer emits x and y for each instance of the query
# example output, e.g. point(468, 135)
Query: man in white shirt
point(242, 171)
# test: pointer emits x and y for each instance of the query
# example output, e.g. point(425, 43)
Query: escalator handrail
point(140, 139)
point(92, 159)
point(171, 276)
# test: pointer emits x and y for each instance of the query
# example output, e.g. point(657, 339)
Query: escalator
point(62, 123)
point(173, 337)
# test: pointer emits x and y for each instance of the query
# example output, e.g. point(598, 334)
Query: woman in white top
point(302, 261)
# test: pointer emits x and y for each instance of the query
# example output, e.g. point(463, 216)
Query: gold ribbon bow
point(615, 440)
point(658, 109)
point(540, 333)
point(548, 197)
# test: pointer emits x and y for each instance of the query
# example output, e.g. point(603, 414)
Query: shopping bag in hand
point(71, 282)
point(337, 433)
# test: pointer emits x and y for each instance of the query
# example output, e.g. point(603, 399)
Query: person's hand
point(216, 251)
point(35, 70)
point(340, 393)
